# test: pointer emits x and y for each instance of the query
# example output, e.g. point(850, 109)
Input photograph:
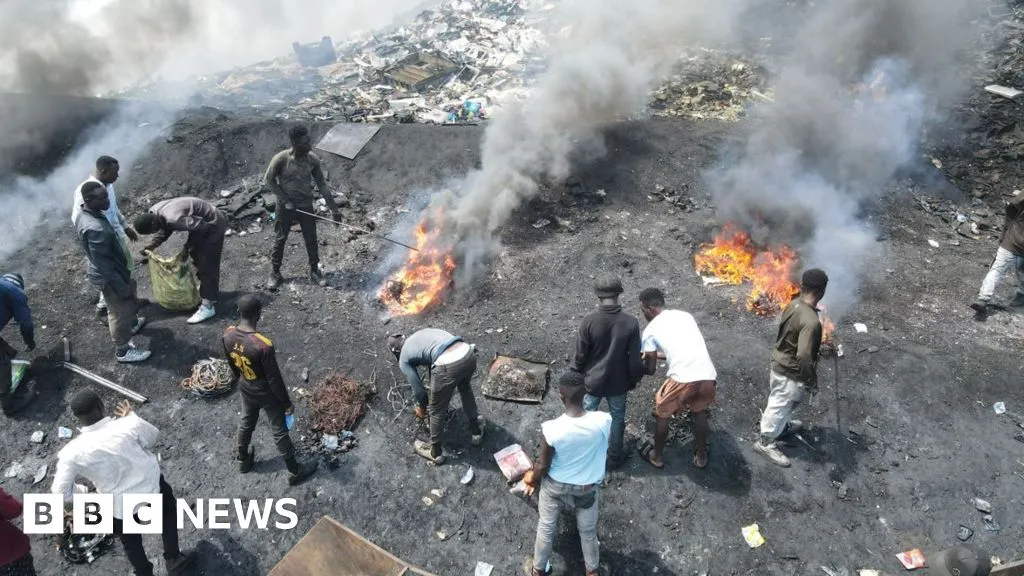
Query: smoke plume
point(600, 74)
point(850, 103)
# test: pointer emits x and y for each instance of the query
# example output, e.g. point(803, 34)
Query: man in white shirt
point(115, 456)
point(573, 449)
point(107, 171)
point(690, 382)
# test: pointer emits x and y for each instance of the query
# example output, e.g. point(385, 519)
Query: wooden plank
point(332, 548)
point(1009, 569)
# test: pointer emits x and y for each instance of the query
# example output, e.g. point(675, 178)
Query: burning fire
point(733, 259)
point(424, 277)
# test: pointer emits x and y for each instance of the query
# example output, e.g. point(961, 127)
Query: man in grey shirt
point(450, 364)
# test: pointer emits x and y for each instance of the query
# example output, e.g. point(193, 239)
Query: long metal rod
point(363, 230)
point(105, 383)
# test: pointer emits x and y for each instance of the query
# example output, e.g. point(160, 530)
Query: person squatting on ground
point(110, 270)
point(569, 471)
point(206, 227)
point(253, 360)
point(290, 177)
point(794, 367)
point(450, 364)
point(608, 356)
point(15, 548)
point(1009, 254)
point(14, 304)
point(107, 171)
point(690, 379)
point(115, 455)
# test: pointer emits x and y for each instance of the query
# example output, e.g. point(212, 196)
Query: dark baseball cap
point(607, 286)
point(959, 561)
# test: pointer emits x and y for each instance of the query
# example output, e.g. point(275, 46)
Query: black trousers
point(283, 227)
point(252, 403)
point(206, 251)
point(21, 567)
point(133, 542)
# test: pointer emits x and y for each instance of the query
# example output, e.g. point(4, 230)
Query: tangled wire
point(210, 377)
point(338, 403)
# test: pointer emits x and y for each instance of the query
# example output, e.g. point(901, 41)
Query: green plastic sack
point(174, 284)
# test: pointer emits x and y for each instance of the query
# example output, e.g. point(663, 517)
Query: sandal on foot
point(423, 449)
point(646, 449)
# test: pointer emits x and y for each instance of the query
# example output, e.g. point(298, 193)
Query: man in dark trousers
point(206, 227)
point(14, 304)
point(794, 370)
point(116, 456)
point(608, 355)
point(290, 177)
point(1010, 254)
point(450, 364)
point(15, 548)
point(569, 472)
point(110, 270)
point(254, 363)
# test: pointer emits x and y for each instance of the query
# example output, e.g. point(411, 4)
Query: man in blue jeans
point(608, 356)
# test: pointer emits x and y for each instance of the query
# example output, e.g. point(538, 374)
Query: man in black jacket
point(608, 355)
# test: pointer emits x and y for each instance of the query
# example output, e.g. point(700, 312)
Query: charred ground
point(915, 391)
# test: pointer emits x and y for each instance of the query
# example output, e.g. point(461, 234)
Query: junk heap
point(336, 406)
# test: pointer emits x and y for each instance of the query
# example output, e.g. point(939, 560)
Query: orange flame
point(424, 277)
point(733, 259)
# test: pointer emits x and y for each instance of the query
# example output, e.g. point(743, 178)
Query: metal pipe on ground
point(97, 378)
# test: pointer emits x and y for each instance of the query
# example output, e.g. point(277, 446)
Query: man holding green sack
point(206, 227)
point(110, 270)
point(14, 305)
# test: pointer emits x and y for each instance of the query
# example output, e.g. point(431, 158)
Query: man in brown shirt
point(290, 177)
point(794, 369)
point(261, 387)
point(1009, 254)
point(206, 227)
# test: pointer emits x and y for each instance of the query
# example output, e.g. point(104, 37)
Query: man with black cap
point(450, 364)
point(608, 356)
point(253, 361)
point(116, 456)
point(14, 304)
point(794, 365)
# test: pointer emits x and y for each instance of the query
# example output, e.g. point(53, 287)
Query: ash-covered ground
point(918, 438)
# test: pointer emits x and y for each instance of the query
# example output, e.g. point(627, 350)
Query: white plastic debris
point(483, 569)
point(14, 470)
point(226, 193)
point(467, 477)
point(860, 328)
point(329, 441)
point(933, 243)
point(541, 223)
point(37, 437)
point(999, 407)
point(1004, 91)
point(64, 433)
point(40, 475)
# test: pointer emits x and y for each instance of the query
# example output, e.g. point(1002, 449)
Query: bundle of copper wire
point(210, 377)
point(338, 403)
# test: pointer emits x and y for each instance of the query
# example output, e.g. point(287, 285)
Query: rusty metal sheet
point(347, 138)
point(516, 380)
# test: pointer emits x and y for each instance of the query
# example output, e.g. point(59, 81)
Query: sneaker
point(792, 427)
point(133, 354)
point(478, 438)
point(245, 466)
point(203, 314)
point(140, 323)
point(306, 469)
point(178, 564)
point(275, 281)
point(771, 452)
point(317, 277)
point(979, 305)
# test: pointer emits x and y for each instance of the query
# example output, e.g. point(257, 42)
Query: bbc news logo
point(144, 513)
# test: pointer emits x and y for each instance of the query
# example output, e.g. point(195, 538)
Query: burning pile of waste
point(426, 274)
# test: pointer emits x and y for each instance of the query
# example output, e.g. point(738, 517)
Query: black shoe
point(275, 281)
point(17, 403)
point(245, 464)
point(178, 564)
point(304, 471)
point(1017, 302)
point(980, 305)
point(316, 277)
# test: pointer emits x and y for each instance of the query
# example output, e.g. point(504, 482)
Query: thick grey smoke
point(600, 74)
point(863, 80)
